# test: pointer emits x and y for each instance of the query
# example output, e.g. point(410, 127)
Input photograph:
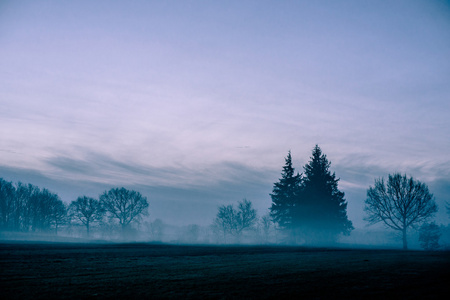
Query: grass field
point(58, 270)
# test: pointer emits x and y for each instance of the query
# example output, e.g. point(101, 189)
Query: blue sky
point(196, 103)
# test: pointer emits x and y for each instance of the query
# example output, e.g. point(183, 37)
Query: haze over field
point(195, 104)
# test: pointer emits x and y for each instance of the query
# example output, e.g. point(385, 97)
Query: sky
point(195, 104)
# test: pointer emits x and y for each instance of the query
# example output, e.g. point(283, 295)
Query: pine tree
point(321, 210)
point(284, 195)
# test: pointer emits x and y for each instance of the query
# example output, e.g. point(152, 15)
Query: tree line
point(310, 207)
point(27, 208)
point(306, 207)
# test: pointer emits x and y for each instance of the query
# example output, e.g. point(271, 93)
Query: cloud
point(184, 195)
point(171, 196)
point(101, 168)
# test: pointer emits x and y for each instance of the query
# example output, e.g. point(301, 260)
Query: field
point(49, 270)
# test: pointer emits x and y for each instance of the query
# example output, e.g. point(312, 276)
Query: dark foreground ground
point(45, 270)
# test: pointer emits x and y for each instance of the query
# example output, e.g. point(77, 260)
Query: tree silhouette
point(124, 205)
point(429, 234)
point(22, 195)
point(7, 204)
point(284, 195)
point(190, 234)
point(26, 195)
point(246, 216)
point(231, 221)
point(156, 229)
point(87, 210)
point(44, 208)
point(225, 220)
point(321, 211)
point(59, 214)
point(400, 203)
point(265, 224)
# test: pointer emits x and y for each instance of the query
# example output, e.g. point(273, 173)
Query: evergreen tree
point(284, 195)
point(321, 211)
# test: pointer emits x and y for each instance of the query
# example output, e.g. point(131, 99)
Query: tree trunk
point(124, 231)
point(405, 242)
point(87, 229)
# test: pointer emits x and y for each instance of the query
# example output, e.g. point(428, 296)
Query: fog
point(161, 232)
point(183, 216)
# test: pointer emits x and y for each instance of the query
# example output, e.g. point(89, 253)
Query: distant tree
point(190, 234)
point(400, 203)
point(43, 206)
point(234, 221)
point(86, 210)
point(124, 205)
point(45, 210)
point(156, 229)
point(20, 209)
point(265, 224)
point(59, 214)
point(321, 210)
point(7, 204)
point(225, 221)
point(429, 235)
point(27, 205)
point(246, 216)
point(285, 194)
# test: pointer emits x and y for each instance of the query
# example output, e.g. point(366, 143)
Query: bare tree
point(59, 214)
point(20, 206)
point(246, 216)
point(265, 224)
point(25, 197)
point(400, 203)
point(234, 221)
point(225, 221)
point(191, 233)
point(87, 210)
point(7, 203)
point(124, 205)
point(26, 207)
point(429, 235)
point(156, 229)
point(44, 209)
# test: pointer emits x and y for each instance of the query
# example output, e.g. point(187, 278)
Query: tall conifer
point(284, 195)
point(321, 209)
